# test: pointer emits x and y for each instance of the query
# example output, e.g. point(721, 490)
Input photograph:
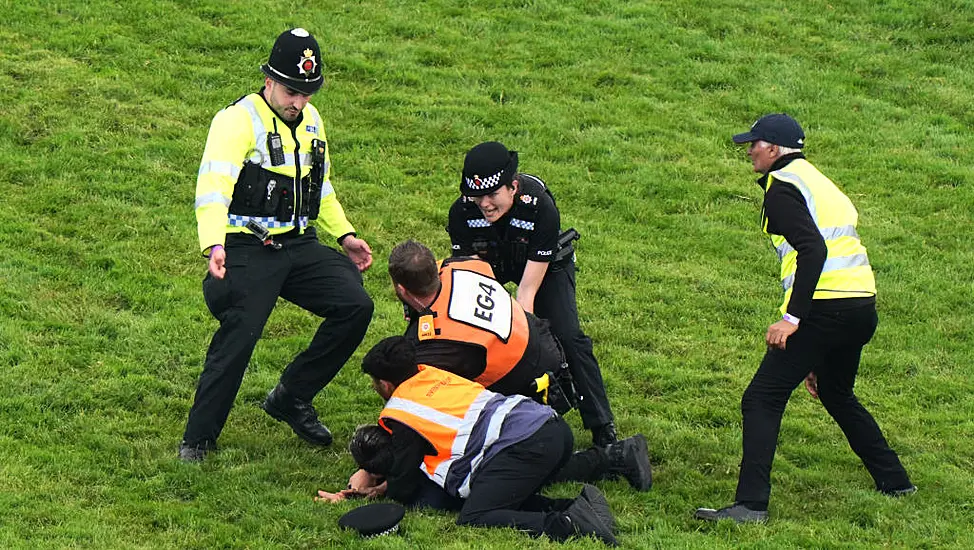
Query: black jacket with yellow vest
point(813, 229)
point(244, 177)
point(476, 329)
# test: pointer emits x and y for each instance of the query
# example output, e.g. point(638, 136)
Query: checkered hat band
point(479, 184)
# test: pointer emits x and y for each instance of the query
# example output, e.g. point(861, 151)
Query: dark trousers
point(555, 302)
point(828, 344)
point(586, 466)
point(504, 492)
point(303, 272)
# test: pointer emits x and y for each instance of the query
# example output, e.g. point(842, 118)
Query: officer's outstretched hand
point(358, 251)
point(218, 260)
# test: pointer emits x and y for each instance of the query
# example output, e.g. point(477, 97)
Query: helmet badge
point(307, 64)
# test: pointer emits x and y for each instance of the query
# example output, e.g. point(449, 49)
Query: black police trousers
point(828, 343)
point(303, 272)
point(504, 491)
point(555, 301)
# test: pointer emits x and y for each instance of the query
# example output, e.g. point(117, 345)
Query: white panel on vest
point(481, 302)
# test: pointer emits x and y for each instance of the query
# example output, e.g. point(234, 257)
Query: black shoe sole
point(642, 482)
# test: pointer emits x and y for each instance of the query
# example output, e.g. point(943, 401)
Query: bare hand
point(325, 496)
point(811, 384)
point(362, 480)
point(778, 334)
point(358, 251)
point(218, 260)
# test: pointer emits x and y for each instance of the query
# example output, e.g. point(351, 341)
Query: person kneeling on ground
point(491, 451)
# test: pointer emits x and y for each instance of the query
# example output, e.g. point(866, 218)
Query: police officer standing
point(510, 219)
point(828, 315)
point(263, 177)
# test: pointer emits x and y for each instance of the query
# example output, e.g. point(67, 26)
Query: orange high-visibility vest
point(474, 308)
point(444, 409)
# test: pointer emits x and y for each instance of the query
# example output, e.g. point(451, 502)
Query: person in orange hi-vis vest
point(492, 452)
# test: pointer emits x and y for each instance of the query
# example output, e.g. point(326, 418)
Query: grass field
point(624, 108)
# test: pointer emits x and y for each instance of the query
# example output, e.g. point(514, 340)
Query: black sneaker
point(585, 521)
point(599, 504)
point(736, 512)
point(300, 415)
point(195, 452)
point(629, 458)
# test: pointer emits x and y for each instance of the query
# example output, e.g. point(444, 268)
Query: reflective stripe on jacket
point(238, 139)
point(462, 421)
point(474, 308)
point(846, 273)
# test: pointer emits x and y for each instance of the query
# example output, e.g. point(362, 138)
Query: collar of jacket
point(778, 164)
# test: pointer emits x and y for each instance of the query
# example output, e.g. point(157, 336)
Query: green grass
point(624, 108)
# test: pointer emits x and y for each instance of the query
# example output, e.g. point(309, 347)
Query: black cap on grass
point(373, 520)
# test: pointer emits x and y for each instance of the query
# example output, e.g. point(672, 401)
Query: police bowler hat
point(373, 520)
point(295, 61)
point(487, 167)
point(778, 129)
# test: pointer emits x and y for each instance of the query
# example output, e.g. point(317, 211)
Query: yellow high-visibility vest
point(238, 135)
point(846, 273)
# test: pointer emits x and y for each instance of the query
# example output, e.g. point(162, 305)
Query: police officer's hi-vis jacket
point(846, 273)
point(244, 177)
point(466, 424)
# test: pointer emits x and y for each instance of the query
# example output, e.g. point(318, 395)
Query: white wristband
point(791, 319)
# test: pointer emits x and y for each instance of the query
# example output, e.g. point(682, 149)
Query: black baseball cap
point(295, 61)
point(373, 520)
point(486, 167)
point(778, 128)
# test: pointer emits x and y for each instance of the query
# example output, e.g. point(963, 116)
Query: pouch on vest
point(260, 192)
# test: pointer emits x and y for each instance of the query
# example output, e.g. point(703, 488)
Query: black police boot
point(195, 452)
point(604, 435)
point(298, 414)
point(585, 520)
point(629, 458)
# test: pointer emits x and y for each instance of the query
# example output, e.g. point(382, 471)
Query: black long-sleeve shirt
point(409, 450)
point(787, 215)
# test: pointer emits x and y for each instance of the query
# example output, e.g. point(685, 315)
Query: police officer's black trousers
point(504, 492)
point(314, 277)
point(555, 302)
point(828, 344)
